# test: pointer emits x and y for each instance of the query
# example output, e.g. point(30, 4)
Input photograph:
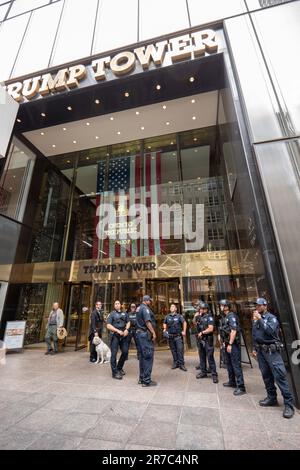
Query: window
point(11, 34)
point(21, 6)
point(15, 181)
point(76, 30)
point(214, 10)
point(161, 17)
point(37, 45)
point(117, 24)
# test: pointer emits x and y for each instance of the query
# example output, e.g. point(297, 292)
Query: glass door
point(78, 314)
point(163, 293)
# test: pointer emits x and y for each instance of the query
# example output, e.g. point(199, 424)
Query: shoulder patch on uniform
point(147, 310)
point(274, 320)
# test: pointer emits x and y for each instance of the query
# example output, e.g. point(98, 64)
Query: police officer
point(230, 338)
point(267, 349)
point(175, 329)
point(118, 324)
point(145, 335)
point(205, 341)
point(132, 330)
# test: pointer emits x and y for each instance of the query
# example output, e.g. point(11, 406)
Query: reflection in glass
point(122, 30)
point(15, 181)
point(21, 6)
point(75, 33)
point(214, 10)
point(11, 34)
point(37, 44)
point(161, 17)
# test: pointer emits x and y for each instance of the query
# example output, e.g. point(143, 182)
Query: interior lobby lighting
point(142, 128)
point(88, 124)
point(195, 139)
point(97, 101)
point(158, 87)
point(192, 79)
point(164, 106)
point(42, 133)
point(119, 133)
point(137, 113)
point(69, 108)
point(68, 161)
point(167, 123)
point(54, 146)
point(111, 118)
point(87, 158)
point(64, 128)
point(126, 94)
point(194, 118)
point(97, 137)
point(43, 114)
point(171, 143)
point(74, 141)
point(19, 120)
point(193, 101)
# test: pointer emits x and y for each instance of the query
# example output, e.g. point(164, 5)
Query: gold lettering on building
point(185, 47)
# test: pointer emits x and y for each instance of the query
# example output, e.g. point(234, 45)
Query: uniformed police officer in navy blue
point(267, 349)
point(175, 330)
point(146, 336)
point(205, 339)
point(132, 330)
point(230, 336)
point(118, 324)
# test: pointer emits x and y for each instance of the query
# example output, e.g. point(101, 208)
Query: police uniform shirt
point(207, 320)
point(118, 319)
point(143, 315)
point(266, 330)
point(174, 323)
point(231, 321)
point(132, 319)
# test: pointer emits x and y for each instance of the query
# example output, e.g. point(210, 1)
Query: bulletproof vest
point(225, 328)
point(119, 320)
point(200, 323)
point(132, 319)
point(174, 324)
point(204, 323)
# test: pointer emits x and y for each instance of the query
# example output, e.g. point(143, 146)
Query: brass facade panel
point(214, 263)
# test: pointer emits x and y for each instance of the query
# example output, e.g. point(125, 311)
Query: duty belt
point(174, 335)
point(270, 348)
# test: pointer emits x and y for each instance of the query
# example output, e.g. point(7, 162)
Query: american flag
point(131, 180)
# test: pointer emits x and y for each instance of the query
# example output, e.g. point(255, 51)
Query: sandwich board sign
point(14, 335)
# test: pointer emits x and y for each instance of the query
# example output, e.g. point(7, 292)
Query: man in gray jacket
point(55, 320)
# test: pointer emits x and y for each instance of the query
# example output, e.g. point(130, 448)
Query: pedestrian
point(267, 349)
point(230, 339)
point(96, 326)
point(118, 324)
point(146, 336)
point(55, 321)
point(175, 330)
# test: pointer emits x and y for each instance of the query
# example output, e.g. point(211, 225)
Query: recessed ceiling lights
point(97, 137)
point(194, 118)
point(193, 101)
point(69, 108)
point(167, 123)
point(19, 120)
point(170, 182)
point(142, 128)
point(119, 133)
point(88, 123)
point(137, 113)
point(196, 150)
point(164, 106)
point(74, 141)
point(87, 158)
point(68, 161)
point(199, 178)
point(107, 154)
point(149, 147)
point(127, 151)
point(158, 87)
point(54, 146)
point(111, 118)
point(43, 114)
point(97, 101)
point(192, 79)
point(14, 176)
point(126, 94)
point(174, 154)
point(195, 139)
point(171, 143)
point(42, 133)
point(64, 128)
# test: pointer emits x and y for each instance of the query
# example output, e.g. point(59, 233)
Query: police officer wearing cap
point(146, 336)
point(205, 340)
point(267, 349)
point(230, 336)
point(118, 324)
point(174, 330)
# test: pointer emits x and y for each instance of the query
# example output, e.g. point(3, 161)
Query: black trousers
point(116, 342)
point(146, 356)
point(206, 352)
point(93, 353)
point(177, 348)
point(132, 334)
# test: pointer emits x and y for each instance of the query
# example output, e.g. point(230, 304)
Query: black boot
point(288, 412)
point(239, 391)
point(215, 379)
point(202, 375)
point(229, 384)
point(174, 366)
point(268, 402)
point(182, 367)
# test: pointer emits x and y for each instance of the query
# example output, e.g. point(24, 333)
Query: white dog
point(103, 351)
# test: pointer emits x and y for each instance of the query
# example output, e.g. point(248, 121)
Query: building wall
point(37, 34)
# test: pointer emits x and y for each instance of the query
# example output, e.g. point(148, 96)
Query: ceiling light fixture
point(158, 87)
point(68, 161)
point(126, 94)
point(54, 146)
point(88, 124)
point(195, 139)
point(69, 108)
point(111, 118)
point(193, 101)
point(164, 106)
point(97, 137)
point(42, 133)
point(167, 123)
point(64, 128)
point(74, 141)
point(194, 118)
point(19, 120)
point(137, 113)
point(142, 128)
point(119, 133)
point(192, 79)
point(97, 101)
point(43, 114)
